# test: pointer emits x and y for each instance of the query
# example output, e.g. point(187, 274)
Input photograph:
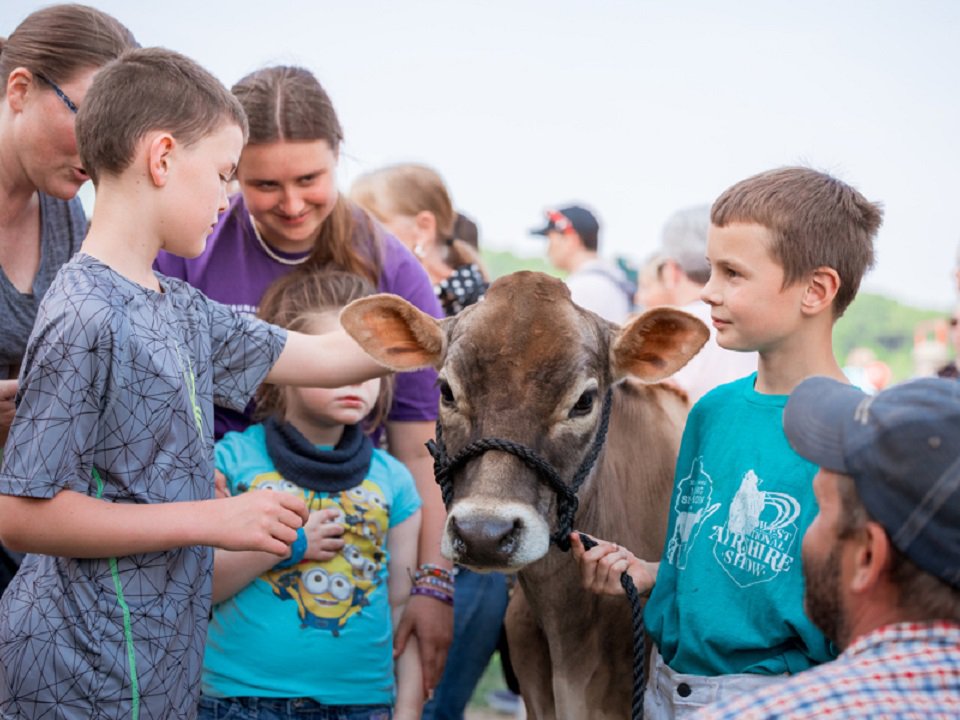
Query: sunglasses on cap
point(560, 222)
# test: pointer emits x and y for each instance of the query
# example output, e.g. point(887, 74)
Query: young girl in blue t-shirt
point(315, 632)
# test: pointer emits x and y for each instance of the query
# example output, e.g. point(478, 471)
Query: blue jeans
point(479, 604)
point(251, 708)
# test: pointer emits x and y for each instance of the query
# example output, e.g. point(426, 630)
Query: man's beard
point(821, 599)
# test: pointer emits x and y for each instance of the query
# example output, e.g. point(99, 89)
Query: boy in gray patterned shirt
point(107, 476)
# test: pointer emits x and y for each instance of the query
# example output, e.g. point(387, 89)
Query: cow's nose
point(484, 541)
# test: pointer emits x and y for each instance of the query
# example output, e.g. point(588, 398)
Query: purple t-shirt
point(235, 270)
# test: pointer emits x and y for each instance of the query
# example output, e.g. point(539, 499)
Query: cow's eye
point(446, 393)
point(584, 404)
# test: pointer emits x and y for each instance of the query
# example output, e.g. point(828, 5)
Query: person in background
point(290, 214)
point(328, 606)
point(413, 203)
point(466, 230)
point(881, 560)
point(951, 369)
point(47, 65)
point(573, 240)
point(676, 275)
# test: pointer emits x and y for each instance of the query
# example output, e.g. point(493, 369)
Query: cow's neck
point(625, 499)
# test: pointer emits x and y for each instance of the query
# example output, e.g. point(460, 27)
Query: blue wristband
point(297, 551)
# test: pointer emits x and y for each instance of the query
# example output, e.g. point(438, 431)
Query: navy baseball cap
point(902, 449)
point(575, 218)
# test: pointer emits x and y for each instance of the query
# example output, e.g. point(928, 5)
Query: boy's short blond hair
point(815, 220)
point(149, 89)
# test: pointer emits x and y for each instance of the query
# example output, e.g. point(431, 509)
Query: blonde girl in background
point(412, 202)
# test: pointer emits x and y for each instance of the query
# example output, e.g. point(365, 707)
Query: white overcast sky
point(634, 108)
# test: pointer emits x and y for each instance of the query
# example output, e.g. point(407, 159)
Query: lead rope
point(444, 468)
point(639, 641)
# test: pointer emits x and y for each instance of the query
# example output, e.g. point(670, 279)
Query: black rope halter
point(444, 467)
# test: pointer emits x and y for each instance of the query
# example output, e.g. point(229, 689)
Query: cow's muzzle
point(503, 536)
point(444, 468)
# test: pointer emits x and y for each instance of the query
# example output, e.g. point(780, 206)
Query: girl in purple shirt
point(289, 214)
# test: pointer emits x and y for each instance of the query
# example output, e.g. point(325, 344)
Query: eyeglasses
point(560, 222)
point(60, 93)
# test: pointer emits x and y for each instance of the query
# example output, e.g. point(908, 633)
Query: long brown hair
point(297, 300)
point(59, 41)
point(288, 103)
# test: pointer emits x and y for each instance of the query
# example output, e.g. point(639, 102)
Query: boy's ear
point(822, 288)
point(159, 148)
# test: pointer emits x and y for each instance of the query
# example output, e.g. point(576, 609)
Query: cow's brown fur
point(516, 365)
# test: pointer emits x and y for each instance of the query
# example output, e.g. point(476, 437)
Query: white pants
point(672, 695)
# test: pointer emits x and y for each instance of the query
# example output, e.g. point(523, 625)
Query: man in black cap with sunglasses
point(573, 235)
point(881, 560)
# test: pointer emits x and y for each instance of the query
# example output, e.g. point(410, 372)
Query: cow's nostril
point(485, 539)
point(508, 543)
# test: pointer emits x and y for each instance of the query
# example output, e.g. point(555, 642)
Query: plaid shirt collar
point(939, 632)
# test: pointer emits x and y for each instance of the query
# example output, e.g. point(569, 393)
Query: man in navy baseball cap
point(881, 561)
point(573, 240)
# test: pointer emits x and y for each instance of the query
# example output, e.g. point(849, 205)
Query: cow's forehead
point(527, 328)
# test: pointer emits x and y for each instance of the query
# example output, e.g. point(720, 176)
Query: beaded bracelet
point(297, 550)
point(434, 582)
point(430, 570)
point(435, 594)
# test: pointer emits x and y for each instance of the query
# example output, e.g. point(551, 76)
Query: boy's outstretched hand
point(265, 520)
point(602, 565)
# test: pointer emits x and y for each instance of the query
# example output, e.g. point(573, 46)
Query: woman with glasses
point(47, 65)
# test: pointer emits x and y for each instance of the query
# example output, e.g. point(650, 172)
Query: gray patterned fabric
point(119, 383)
point(62, 227)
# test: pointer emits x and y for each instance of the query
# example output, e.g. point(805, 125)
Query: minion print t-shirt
point(314, 630)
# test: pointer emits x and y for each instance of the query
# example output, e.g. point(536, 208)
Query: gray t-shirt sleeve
point(243, 351)
point(63, 391)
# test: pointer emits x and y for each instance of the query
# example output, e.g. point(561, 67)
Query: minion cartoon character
point(271, 481)
point(366, 511)
point(361, 500)
point(325, 593)
point(365, 569)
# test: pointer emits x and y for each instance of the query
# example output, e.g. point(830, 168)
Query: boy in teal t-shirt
point(787, 249)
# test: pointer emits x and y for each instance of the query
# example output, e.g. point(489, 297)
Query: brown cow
point(528, 365)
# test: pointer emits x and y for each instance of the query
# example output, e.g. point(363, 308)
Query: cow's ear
point(657, 344)
point(394, 332)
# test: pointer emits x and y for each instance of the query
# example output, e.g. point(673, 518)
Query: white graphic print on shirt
point(757, 542)
point(693, 508)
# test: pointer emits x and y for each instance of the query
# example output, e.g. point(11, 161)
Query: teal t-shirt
point(729, 593)
point(315, 630)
